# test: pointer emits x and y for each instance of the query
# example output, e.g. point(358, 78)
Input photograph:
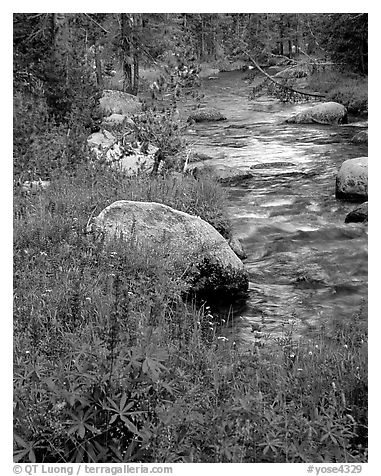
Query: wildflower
point(299, 370)
point(310, 352)
point(316, 346)
point(27, 351)
point(88, 299)
point(345, 346)
point(334, 386)
point(224, 339)
point(43, 253)
point(210, 323)
point(223, 320)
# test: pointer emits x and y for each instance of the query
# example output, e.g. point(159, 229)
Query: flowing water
point(304, 262)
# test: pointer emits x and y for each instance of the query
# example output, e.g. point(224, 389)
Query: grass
point(348, 89)
point(111, 365)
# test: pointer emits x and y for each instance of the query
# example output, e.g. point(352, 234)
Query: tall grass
point(351, 90)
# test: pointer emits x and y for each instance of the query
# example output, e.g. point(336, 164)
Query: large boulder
point(201, 253)
point(118, 102)
point(352, 180)
point(206, 115)
point(325, 113)
point(358, 215)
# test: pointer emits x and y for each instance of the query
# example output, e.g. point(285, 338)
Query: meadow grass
point(111, 364)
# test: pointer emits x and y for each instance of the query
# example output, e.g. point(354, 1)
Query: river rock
point(352, 180)
point(360, 138)
point(118, 102)
point(223, 173)
point(101, 140)
point(207, 71)
point(34, 186)
point(206, 115)
point(358, 215)
point(236, 245)
point(130, 159)
point(191, 242)
point(117, 119)
point(326, 113)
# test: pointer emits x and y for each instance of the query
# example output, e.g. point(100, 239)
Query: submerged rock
point(352, 180)
point(328, 113)
point(358, 215)
point(223, 173)
point(360, 138)
point(199, 251)
point(206, 115)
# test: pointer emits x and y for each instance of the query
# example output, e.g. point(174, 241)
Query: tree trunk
point(202, 37)
point(61, 40)
point(126, 33)
point(137, 27)
point(98, 66)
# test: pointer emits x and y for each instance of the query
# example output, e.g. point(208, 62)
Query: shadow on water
point(304, 263)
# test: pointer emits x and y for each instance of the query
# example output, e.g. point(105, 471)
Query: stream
point(306, 266)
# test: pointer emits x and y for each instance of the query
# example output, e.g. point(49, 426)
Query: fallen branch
point(279, 84)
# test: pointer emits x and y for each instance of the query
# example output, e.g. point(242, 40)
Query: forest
point(189, 267)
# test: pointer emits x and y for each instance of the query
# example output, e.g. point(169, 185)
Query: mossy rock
point(201, 255)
